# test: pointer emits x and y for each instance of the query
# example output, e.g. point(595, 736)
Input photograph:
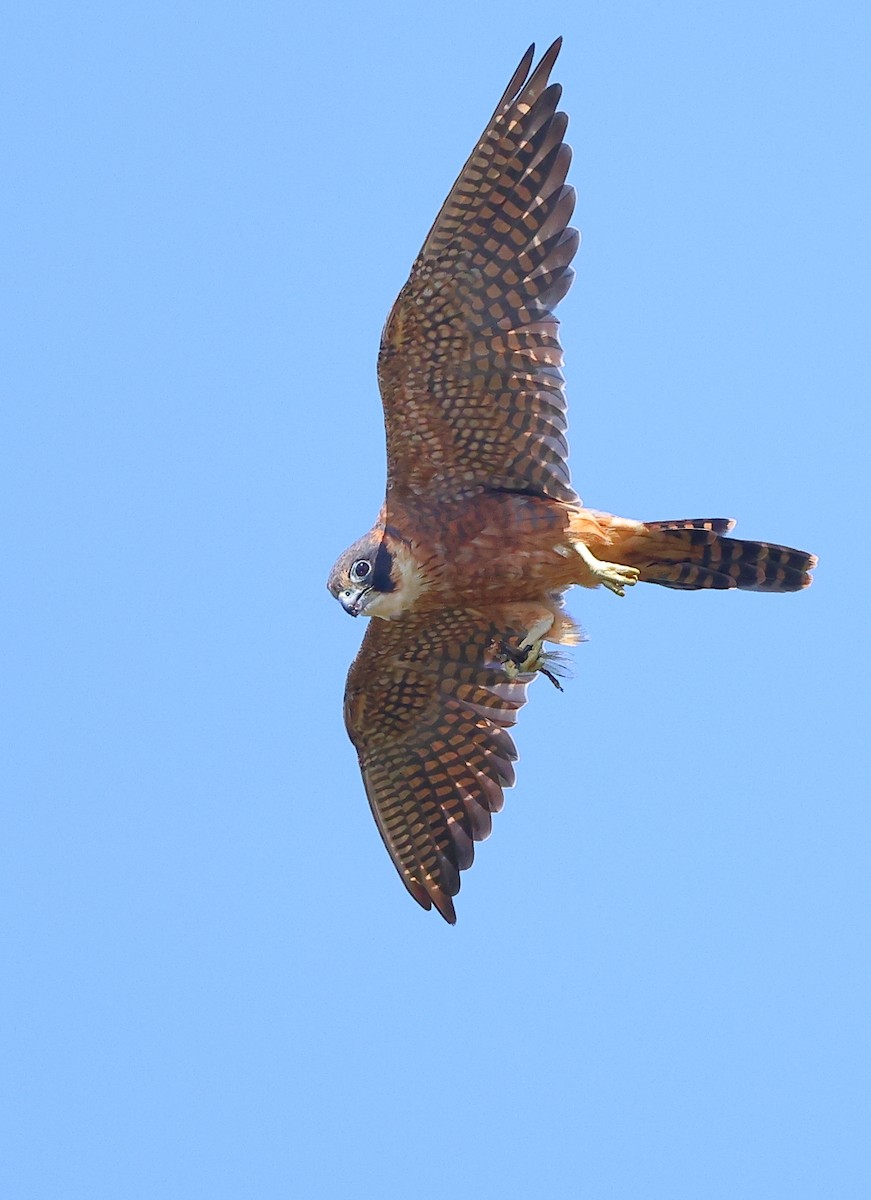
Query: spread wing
point(469, 366)
point(427, 705)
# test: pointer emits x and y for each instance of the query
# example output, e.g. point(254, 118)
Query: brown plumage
point(481, 532)
point(469, 360)
point(428, 705)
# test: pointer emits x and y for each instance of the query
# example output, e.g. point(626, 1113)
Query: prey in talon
point(524, 660)
point(482, 532)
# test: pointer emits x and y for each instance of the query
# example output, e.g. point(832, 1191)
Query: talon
point(528, 660)
point(614, 576)
point(523, 659)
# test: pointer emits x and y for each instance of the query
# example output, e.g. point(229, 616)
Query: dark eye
point(361, 568)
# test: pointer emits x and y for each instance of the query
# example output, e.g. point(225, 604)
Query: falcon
point(481, 532)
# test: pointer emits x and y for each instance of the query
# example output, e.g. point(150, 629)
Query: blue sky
point(214, 984)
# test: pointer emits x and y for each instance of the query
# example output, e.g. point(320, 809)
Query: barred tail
point(694, 554)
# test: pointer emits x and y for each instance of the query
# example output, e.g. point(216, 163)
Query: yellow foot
point(530, 656)
point(515, 663)
point(615, 576)
point(525, 660)
point(536, 633)
point(528, 661)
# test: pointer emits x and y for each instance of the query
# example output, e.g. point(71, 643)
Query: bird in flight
point(481, 532)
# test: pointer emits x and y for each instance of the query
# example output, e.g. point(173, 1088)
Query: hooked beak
point(352, 602)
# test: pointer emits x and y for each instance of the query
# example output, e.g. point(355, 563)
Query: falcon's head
point(377, 576)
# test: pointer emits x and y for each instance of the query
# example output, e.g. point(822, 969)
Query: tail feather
point(692, 554)
point(714, 524)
